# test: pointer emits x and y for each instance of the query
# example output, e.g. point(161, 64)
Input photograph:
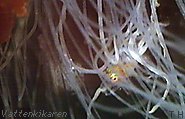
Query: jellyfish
point(114, 56)
point(127, 51)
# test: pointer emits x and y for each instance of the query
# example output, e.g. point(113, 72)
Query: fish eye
point(114, 77)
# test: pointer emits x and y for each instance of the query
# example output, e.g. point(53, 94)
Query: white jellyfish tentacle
point(139, 59)
point(101, 30)
point(116, 59)
point(142, 47)
point(96, 95)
